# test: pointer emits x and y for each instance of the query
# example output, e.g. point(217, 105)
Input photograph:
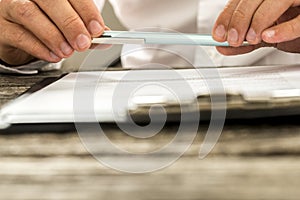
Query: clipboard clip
point(276, 101)
point(107, 38)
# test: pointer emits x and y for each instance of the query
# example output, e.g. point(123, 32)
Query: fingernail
point(269, 33)
point(83, 41)
point(66, 49)
point(220, 31)
point(95, 27)
point(54, 57)
point(233, 36)
point(251, 36)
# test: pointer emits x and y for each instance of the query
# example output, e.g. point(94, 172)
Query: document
point(110, 95)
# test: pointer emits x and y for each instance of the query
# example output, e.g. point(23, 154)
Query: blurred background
point(110, 17)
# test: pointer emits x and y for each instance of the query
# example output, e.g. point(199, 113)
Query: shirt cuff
point(31, 68)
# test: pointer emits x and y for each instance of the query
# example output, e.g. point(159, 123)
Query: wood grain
point(257, 159)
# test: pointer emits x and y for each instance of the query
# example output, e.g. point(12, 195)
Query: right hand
point(286, 36)
point(46, 29)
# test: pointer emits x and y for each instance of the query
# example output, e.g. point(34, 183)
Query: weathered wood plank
point(189, 178)
point(12, 86)
point(235, 140)
point(252, 160)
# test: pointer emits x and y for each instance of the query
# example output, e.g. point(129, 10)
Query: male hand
point(262, 23)
point(46, 29)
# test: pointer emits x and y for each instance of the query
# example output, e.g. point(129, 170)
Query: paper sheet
point(55, 103)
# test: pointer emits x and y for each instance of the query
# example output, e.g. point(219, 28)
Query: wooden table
point(257, 159)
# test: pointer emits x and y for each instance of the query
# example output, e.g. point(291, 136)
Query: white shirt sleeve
point(176, 15)
point(161, 16)
point(31, 68)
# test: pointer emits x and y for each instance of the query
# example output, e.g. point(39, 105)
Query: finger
point(266, 15)
point(18, 37)
point(296, 3)
point(283, 32)
point(107, 28)
point(90, 15)
point(221, 25)
point(32, 18)
point(102, 46)
point(241, 20)
point(68, 21)
point(231, 51)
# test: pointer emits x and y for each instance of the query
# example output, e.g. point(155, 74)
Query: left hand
point(46, 29)
point(260, 22)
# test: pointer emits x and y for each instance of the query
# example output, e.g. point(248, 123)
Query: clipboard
point(251, 92)
point(163, 38)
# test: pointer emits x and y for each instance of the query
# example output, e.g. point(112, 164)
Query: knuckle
point(259, 16)
point(50, 37)
point(239, 14)
point(20, 36)
point(230, 5)
point(72, 22)
point(53, 41)
point(2, 26)
point(291, 27)
point(224, 18)
point(5, 33)
point(35, 49)
point(85, 7)
point(297, 20)
point(4, 4)
point(92, 14)
point(25, 9)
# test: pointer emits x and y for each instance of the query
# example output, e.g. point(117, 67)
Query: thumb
point(284, 32)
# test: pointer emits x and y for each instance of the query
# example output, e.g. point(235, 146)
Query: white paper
point(55, 103)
